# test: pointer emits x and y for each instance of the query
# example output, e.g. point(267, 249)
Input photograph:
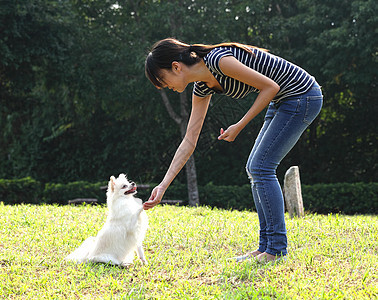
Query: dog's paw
point(125, 264)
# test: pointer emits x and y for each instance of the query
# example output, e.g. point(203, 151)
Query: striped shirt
point(292, 79)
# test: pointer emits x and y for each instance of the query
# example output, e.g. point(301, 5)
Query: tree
point(182, 121)
point(199, 17)
point(34, 42)
point(75, 104)
point(335, 41)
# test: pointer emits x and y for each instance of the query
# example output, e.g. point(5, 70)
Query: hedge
point(346, 198)
point(60, 193)
point(228, 197)
point(24, 190)
point(28, 190)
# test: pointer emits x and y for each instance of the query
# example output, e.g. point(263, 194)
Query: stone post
point(293, 192)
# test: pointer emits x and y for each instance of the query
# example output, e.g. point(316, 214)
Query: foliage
point(188, 249)
point(225, 197)
point(343, 198)
point(346, 198)
point(17, 191)
point(336, 42)
point(75, 105)
point(35, 42)
point(61, 193)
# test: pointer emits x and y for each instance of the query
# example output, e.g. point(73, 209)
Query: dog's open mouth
point(132, 190)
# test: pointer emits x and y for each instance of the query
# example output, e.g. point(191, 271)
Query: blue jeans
point(284, 124)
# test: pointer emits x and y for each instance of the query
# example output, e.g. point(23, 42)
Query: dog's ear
point(111, 183)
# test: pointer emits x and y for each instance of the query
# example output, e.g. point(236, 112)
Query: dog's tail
point(81, 254)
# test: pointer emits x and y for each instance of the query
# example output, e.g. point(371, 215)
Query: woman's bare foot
point(255, 253)
point(247, 256)
point(266, 257)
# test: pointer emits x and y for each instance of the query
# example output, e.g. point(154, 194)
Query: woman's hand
point(230, 134)
point(155, 198)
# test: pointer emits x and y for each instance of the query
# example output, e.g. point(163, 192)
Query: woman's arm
point(184, 151)
point(231, 67)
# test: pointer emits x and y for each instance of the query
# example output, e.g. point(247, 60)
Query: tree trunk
point(190, 167)
point(191, 173)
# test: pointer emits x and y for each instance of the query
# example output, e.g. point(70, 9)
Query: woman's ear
point(176, 66)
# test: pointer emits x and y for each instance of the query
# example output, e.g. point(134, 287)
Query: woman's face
point(174, 79)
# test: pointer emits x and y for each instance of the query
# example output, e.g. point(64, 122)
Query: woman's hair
point(166, 51)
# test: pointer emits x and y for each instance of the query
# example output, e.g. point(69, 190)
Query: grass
point(331, 257)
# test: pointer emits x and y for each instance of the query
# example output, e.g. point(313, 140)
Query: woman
point(234, 69)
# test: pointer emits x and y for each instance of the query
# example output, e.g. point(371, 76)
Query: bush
point(23, 190)
point(60, 193)
point(346, 198)
point(228, 197)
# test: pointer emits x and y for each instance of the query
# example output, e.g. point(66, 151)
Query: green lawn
point(331, 257)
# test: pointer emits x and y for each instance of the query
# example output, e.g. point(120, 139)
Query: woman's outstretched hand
point(155, 198)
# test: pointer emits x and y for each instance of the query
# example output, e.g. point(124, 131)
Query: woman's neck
point(200, 72)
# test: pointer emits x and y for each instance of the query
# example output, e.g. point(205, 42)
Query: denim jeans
point(284, 123)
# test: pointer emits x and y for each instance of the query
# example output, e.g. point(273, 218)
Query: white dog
point(124, 229)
